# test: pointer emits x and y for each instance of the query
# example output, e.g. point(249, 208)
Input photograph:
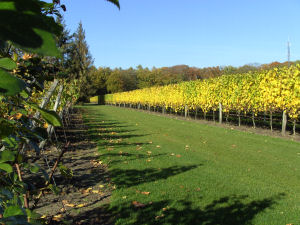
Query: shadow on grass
point(229, 210)
point(115, 158)
point(132, 177)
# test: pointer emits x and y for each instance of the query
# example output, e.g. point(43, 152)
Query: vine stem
point(51, 174)
point(20, 179)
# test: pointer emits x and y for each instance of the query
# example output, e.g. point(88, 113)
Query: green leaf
point(13, 210)
point(7, 156)
point(65, 171)
point(23, 24)
point(51, 117)
point(41, 132)
point(6, 128)
point(10, 142)
point(32, 215)
point(34, 168)
point(24, 94)
point(7, 63)
point(54, 189)
point(116, 2)
point(6, 167)
point(9, 84)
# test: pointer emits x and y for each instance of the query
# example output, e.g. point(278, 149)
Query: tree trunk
point(239, 115)
point(294, 127)
point(196, 112)
point(214, 116)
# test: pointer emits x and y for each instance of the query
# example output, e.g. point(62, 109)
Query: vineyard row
point(263, 92)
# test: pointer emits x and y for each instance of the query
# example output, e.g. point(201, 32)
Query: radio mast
point(288, 52)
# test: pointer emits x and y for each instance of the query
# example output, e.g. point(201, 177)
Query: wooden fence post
point(186, 108)
point(271, 121)
point(284, 121)
point(220, 113)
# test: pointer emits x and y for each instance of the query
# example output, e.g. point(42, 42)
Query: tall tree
point(82, 61)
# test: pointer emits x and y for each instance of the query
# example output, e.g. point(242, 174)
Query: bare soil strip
point(86, 194)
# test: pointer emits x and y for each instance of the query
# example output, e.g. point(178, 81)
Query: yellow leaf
point(81, 205)
point(70, 205)
point(57, 217)
point(18, 116)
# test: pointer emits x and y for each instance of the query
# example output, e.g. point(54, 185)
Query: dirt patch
point(85, 196)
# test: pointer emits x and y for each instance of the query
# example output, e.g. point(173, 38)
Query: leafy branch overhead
point(116, 2)
point(23, 24)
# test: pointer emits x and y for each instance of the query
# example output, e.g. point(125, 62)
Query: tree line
point(104, 80)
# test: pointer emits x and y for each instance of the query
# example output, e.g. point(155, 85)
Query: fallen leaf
point(150, 142)
point(172, 154)
point(148, 160)
point(101, 186)
point(145, 192)
point(57, 217)
point(157, 146)
point(87, 190)
point(149, 152)
point(81, 205)
point(70, 205)
point(137, 204)
point(178, 156)
point(64, 202)
point(43, 216)
point(124, 197)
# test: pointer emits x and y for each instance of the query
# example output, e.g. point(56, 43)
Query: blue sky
point(197, 33)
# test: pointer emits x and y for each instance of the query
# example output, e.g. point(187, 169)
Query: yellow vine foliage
point(261, 91)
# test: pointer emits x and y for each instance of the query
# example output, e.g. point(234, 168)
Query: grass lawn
point(169, 171)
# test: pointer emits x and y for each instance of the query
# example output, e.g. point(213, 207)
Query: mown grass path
point(169, 171)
